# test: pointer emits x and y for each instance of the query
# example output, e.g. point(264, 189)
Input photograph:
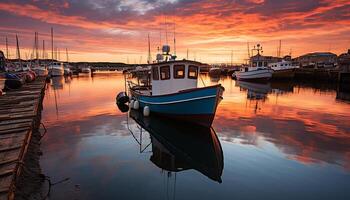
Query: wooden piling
point(20, 113)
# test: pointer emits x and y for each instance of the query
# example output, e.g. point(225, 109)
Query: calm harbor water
point(274, 141)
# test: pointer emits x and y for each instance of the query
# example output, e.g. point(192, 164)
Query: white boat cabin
point(284, 64)
point(171, 77)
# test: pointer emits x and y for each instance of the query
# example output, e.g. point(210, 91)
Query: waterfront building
point(318, 60)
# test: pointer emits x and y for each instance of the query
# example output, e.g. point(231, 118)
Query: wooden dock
point(20, 114)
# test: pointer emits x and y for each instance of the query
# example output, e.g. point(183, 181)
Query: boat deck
point(20, 113)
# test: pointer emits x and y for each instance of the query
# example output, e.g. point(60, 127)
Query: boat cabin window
point(179, 71)
point(165, 72)
point(155, 73)
point(192, 72)
point(246, 69)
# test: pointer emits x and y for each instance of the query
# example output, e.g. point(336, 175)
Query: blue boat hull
point(194, 105)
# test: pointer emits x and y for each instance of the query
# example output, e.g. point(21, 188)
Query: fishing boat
point(173, 149)
point(284, 69)
point(56, 69)
point(254, 74)
point(256, 71)
point(172, 91)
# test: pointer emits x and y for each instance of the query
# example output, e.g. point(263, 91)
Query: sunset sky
point(116, 30)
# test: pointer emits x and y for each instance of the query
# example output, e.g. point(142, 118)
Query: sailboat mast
point(37, 47)
point(7, 48)
point(51, 44)
point(18, 53)
point(43, 55)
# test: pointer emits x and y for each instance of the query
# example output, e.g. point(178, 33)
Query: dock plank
point(18, 111)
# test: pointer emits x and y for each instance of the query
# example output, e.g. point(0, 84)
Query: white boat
point(86, 70)
point(283, 69)
point(257, 70)
point(67, 70)
point(40, 70)
point(254, 74)
point(56, 69)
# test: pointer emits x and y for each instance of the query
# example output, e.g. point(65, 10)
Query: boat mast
point(43, 55)
point(279, 49)
point(37, 47)
point(51, 44)
point(18, 53)
point(7, 49)
point(149, 60)
point(174, 39)
point(67, 55)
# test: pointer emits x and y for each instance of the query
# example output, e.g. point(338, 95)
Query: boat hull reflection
point(180, 146)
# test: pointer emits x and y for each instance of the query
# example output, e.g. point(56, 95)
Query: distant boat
point(256, 71)
point(215, 72)
point(283, 69)
point(174, 93)
point(86, 70)
point(56, 69)
point(67, 69)
point(254, 74)
point(40, 70)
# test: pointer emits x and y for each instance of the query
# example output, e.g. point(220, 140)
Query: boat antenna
point(166, 30)
point(149, 60)
point(187, 55)
point(279, 48)
point(174, 37)
point(52, 44)
point(248, 50)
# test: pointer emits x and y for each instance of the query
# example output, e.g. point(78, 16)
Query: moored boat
point(174, 92)
point(257, 69)
point(56, 69)
point(254, 74)
point(284, 69)
point(41, 70)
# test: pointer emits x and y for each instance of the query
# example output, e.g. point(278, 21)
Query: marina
point(161, 100)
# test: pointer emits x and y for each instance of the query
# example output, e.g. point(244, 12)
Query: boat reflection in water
point(178, 147)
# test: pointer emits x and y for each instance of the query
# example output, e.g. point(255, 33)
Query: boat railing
point(140, 88)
